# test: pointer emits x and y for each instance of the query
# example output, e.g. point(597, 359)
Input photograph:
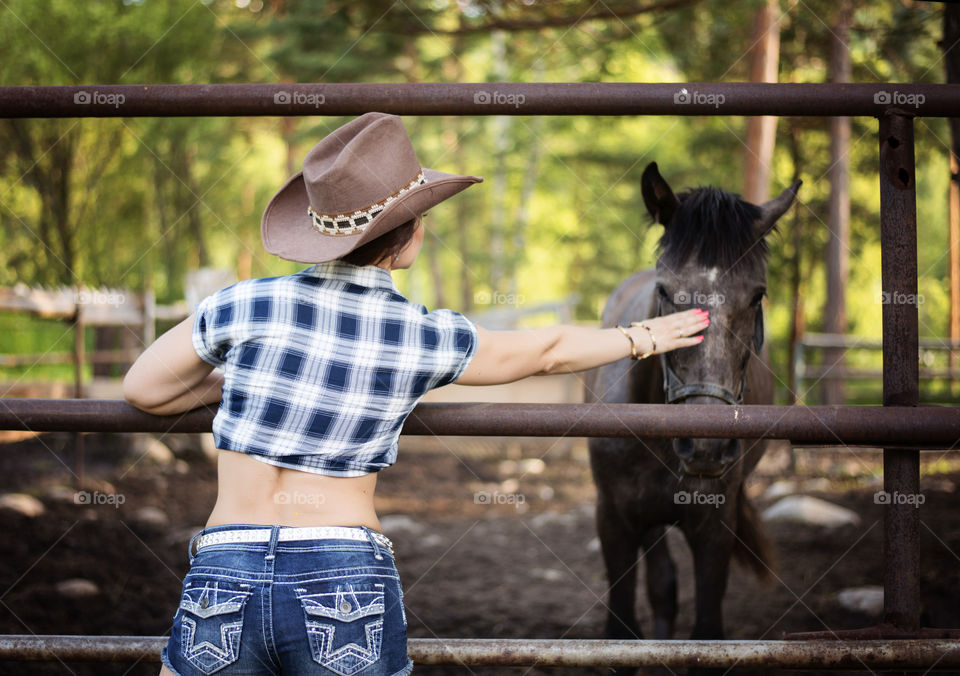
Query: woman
point(319, 370)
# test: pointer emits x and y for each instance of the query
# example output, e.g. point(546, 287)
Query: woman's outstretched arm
point(169, 377)
point(505, 356)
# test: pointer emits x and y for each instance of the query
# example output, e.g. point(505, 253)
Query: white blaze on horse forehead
point(712, 274)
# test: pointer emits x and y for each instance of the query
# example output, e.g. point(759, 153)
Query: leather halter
point(674, 389)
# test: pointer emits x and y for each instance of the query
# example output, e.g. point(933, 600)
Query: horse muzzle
point(706, 457)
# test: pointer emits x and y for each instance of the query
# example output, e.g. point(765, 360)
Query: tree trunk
point(193, 204)
point(454, 72)
point(951, 48)
point(462, 223)
point(501, 132)
point(59, 193)
point(838, 220)
point(104, 339)
point(288, 127)
point(523, 209)
point(762, 131)
point(431, 234)
point(526, 192)
point(797, 327)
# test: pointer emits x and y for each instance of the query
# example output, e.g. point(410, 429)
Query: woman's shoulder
point(261, 286)
point(446, 317)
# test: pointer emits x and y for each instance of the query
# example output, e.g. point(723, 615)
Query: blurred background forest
point(136, 203)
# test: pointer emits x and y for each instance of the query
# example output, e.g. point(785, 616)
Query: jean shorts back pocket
point(344, 621)
point(211, 621)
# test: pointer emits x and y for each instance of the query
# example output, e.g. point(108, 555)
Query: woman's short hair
point(385, 246)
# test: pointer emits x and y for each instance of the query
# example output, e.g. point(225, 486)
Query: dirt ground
point(495, 538)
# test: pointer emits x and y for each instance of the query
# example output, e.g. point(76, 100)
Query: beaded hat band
point(358, 183)
point(357, 221)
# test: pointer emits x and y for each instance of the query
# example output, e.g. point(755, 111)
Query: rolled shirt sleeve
point(210, 347)
point(459, 343)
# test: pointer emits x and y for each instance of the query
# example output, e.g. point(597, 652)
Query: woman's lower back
point(254, 492)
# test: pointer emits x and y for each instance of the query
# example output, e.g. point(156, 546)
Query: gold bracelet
point(653, 340)
point(633, 345)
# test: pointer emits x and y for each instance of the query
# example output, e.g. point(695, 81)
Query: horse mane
point(715, 228)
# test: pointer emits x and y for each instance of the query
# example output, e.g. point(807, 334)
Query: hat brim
point(287, 230)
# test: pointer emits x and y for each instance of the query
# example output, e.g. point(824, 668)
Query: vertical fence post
point(901, 468)
point(78, 358)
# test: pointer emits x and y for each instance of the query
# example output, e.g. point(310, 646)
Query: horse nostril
point(731, 450)
point(683, 448)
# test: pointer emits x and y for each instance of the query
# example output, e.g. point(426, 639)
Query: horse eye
point(758, 298)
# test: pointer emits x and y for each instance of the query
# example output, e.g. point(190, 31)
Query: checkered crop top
point(322, 367)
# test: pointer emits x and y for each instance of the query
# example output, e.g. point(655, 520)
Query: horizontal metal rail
point(822, 654)
point(484, 98)
point(813, 340)
point(913, 427)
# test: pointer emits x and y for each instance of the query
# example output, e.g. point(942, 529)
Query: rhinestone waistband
point(290, 533)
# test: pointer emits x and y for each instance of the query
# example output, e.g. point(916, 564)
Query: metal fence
point(802, 370)
point(902, 427)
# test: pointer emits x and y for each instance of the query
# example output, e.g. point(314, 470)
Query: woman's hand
point(670, 332)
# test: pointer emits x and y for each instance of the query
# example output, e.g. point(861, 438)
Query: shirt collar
point(366, 275)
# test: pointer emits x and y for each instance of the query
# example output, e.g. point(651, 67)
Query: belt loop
point(373, 541)
point(274, 537)
point(190, 551)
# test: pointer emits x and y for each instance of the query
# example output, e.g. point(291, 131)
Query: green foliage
point(136, 202)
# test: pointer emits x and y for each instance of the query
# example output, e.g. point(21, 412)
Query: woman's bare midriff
point(251, 491)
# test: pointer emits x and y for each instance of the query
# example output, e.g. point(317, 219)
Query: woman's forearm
point(207, 391)
point(578, 348)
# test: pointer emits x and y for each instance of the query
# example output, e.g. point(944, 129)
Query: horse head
point(712, 255)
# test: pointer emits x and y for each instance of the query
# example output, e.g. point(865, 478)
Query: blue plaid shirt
point(322, 367)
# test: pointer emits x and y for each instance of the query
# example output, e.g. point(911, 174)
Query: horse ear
point(659, 199)
point(771, 211)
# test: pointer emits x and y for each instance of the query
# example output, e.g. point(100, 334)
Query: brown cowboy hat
point(359, 182)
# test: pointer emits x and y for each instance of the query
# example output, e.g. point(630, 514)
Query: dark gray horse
point(712, 255)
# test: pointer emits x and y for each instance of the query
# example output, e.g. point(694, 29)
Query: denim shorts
point(328, 606)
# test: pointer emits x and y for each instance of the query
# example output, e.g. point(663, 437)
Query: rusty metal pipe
point(486, 98)
point(926, 426)
point(902, 654)
point(901, 367)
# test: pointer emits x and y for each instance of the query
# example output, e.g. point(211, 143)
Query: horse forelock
point(713, 228)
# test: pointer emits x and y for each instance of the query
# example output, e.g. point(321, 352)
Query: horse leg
point(661, 586)
point(711, 555)
point(712, 546)
point(619, 547)
point(661, 582)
